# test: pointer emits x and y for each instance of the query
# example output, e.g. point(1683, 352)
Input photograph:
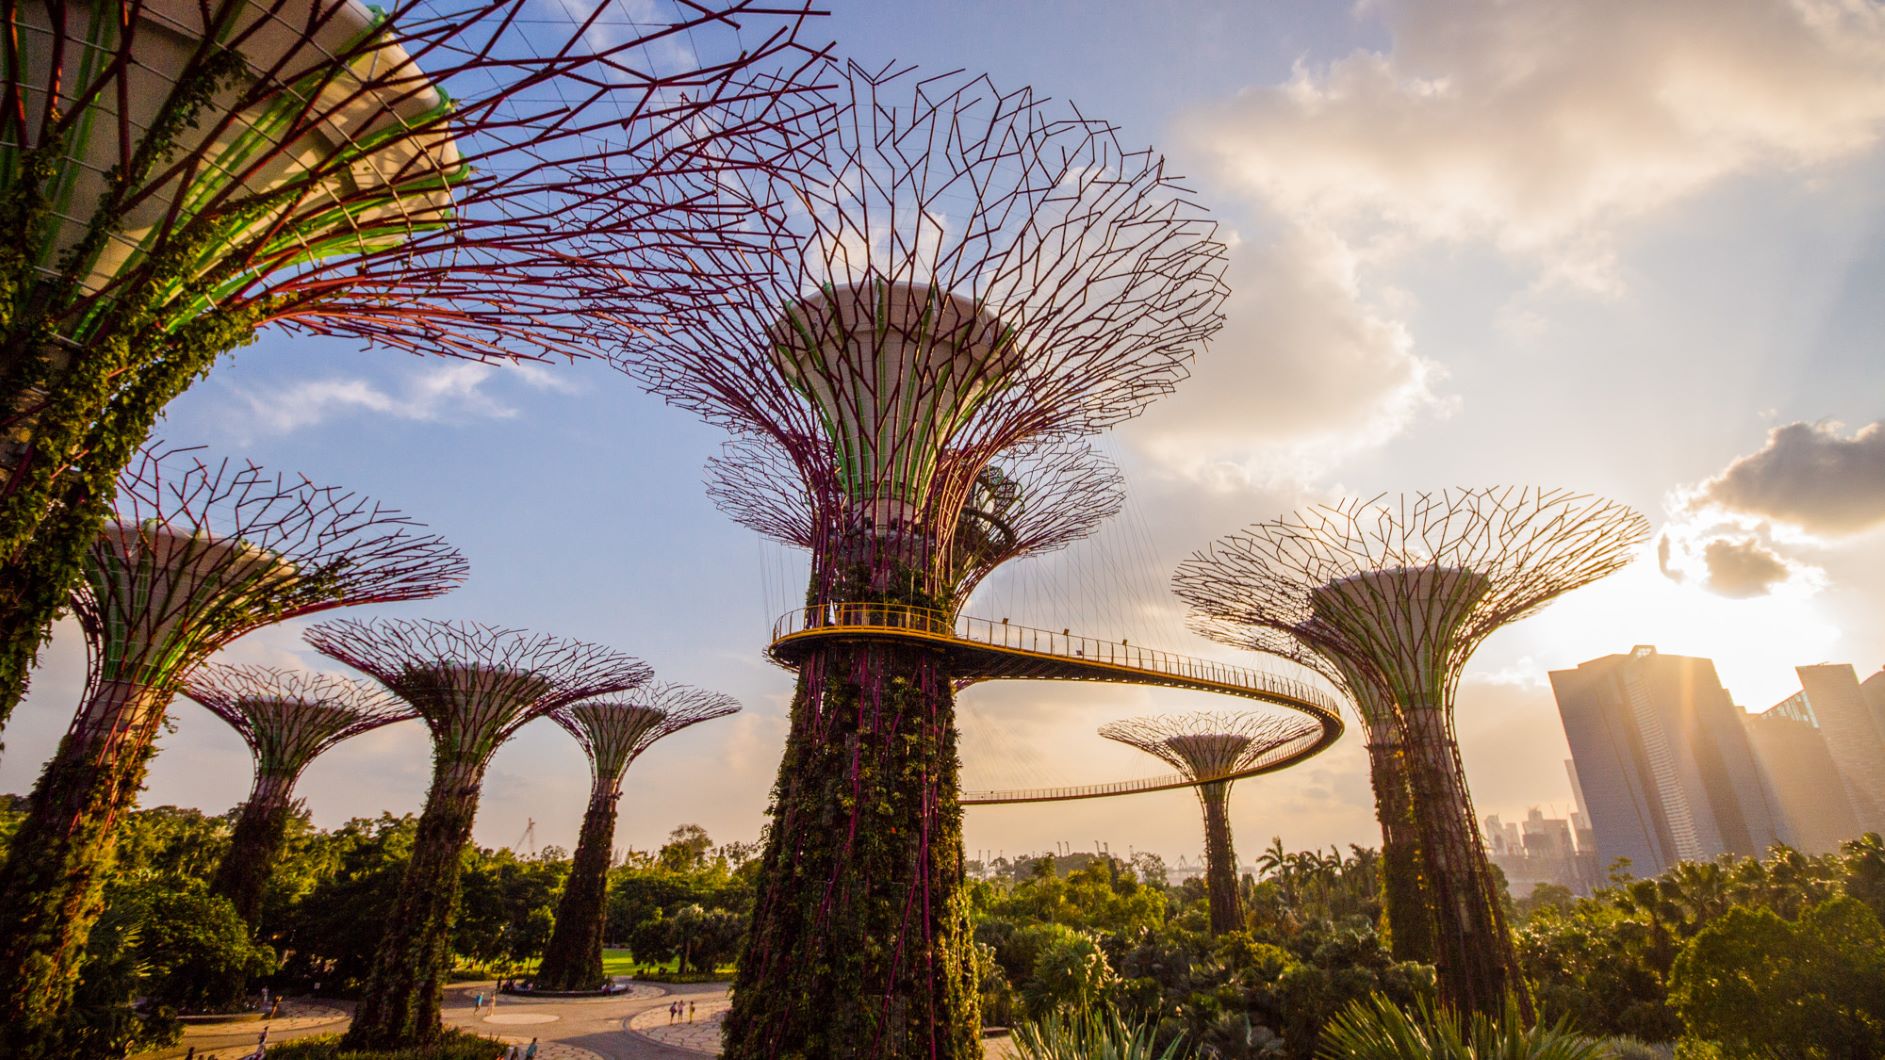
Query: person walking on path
point(530, 1052)
point(477, 1002)
point(690, 1012)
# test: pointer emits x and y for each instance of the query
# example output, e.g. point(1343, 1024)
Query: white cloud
point(1544, 128)
point(443, 391)
point(1306, 371)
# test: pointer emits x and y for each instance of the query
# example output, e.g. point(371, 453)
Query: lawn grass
point(616, 962)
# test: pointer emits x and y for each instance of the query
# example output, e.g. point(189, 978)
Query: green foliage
point(1809, 988)
point(451, 1045)
point(705, 938)
point(507, 906)
point(193, 943)
point(1069, 972)
point(1606, 962)
point(1259, 993)
point(1379, 1029)
point(1092, 1034)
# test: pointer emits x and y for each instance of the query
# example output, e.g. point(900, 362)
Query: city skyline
point(1639, 336)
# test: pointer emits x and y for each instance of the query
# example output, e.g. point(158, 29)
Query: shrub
point(1092, 1034)
point(452, 1045)
point(1377, 1029)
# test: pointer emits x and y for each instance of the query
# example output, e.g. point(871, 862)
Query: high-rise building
point(1832, 700)
point(1580, 817)
point(1538, 850)
point(1874, 689)
point(1811, 810)
point(1662, 760)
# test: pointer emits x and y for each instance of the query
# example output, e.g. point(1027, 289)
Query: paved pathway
point(226, 1040)
point(629, 1026)
point(698, 1033)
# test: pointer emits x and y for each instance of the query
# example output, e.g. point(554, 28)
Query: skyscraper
point(1662, 760)
point(1811, 810)
point(1874, 689)
point(1832, 700)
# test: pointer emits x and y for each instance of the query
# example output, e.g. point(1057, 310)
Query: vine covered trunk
point(859, 944)
point(52, 883)
point(1220, 859)
point(260, 830)
point(74, 424)
point(1474, 956)
point(573, 958)
point(1404, 900)
point(399, 1006)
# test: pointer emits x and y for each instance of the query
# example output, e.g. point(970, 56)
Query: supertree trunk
point(1403, 876)
point(860, 935)
point(399, 1006)
point(1474, 956)
point(52, 883)
point(573, 959)
point(260, 830)
point(1220, 859)
point(243, 874)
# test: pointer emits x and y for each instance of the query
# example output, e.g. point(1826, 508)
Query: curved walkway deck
point(979, 650)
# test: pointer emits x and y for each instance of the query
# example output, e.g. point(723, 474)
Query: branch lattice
point(200, 553)
point(1212, 746)
point(1409, 588)
point(290, 717)
point(614, 732)
point(1403, 593)
point(1364, 690)
point(475, 684)
point(1035, 499)
point(423, 175)
point(967, 270)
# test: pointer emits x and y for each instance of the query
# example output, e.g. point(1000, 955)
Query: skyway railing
point(935, 624)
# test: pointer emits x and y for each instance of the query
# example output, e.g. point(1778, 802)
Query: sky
point(1624, 248)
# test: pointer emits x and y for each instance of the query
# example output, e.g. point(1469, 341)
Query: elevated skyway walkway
point(979, 650)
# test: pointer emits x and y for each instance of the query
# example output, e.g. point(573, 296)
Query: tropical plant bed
point(452, 1045)
point(523, 990)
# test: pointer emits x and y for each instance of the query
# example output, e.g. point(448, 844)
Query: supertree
point(196, 555)
point(613, 732)
point(474, 685)
point(973, 270)
point(288, 718)
point(1406, 591)
point(1212, 750)
point(1408, 920)
point(432, 175)
point(1034, 499)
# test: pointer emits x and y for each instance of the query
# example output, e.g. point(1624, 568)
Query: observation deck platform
point(981, 650)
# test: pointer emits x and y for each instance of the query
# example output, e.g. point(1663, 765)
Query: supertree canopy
point(1027, 501)
point(1404, 592)
point(197, 554)
point(1212, 750)
point(464, 177)
point(970, 270)
point(474, 686)
point(613, 732)
point(288, 718)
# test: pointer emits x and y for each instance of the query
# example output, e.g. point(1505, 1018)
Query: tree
point(1812, 989)
point(686, 849)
